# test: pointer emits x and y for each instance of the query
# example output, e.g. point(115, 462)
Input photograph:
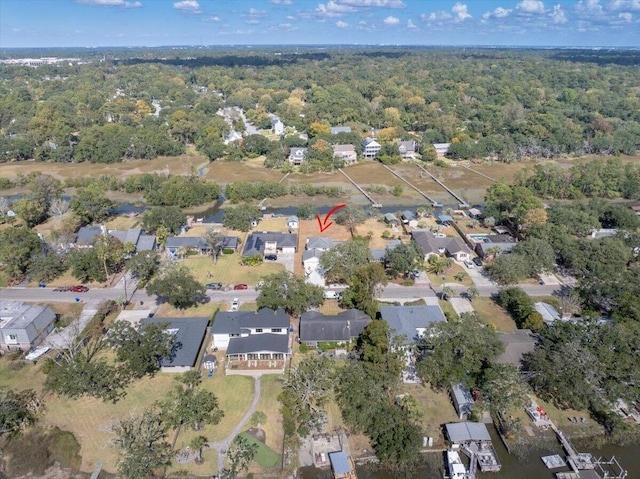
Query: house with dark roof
point(370, 147)
point(432, 245)
point(381, 254)
point(343, 327)
point(251, 340)
point(391, 219)
point(410, 322)
point(503, 243)
point(297, 155)
point(24, 326)
point(86, 235)
point(270, 242)
point(320, 242)
point(175, 244)
point(516, 345)
point(189, 334)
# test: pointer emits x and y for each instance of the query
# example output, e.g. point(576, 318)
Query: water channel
point(527, 466)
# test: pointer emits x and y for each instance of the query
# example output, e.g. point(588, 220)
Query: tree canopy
point(288, 291)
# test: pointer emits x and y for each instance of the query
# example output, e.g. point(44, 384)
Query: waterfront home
point(270, 242)
point(410, 322)
point(342, 465)
point(431, 245)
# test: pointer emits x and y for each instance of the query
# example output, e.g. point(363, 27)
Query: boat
point(455, 467)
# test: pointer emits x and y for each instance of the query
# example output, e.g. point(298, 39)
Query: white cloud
point(460, 12)
point(374, 3)
point(341, 24)
point(589, 6)
point(626, 16)
point(111, 3)
point(531, 6)
point(411, 25)
point(497, 13)
point(438, 16)
point(334, 9)
point(391, 20)
point(624, 4)
point(256, 13)
point(188, 6)
point(214, 19)
point(281, 2)
point(557, 15)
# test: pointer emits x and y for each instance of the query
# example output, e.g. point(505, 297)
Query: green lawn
point(228, 269)
point(450, 277)
point(266, 457)
point(491, 313)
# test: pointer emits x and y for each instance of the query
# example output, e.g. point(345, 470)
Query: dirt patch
point(40, 449)
point(258, 434)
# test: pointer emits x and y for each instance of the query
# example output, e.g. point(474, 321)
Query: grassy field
point(491, 313)
point(228, 269)
point(202, 310)
point(265, 456)
point(450, 277)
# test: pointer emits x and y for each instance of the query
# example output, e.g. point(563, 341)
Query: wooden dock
point(374, 203)
point(431, 200)
point(461, 201)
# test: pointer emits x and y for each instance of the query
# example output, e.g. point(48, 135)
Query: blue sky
point(47, 23)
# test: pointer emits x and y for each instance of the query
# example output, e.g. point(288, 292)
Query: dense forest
point(510, 105)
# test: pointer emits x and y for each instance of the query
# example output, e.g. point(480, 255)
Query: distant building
point(407, 149)
point(340, 129)
point(24, 326)
point(346, 153)
point(297, 155)
point(432, 245)
point(441, 149)
point(370, 147)
point(277, 127)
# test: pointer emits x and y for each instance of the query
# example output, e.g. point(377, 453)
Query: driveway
point(477, 275)
point(287, 260)
point(461, 305)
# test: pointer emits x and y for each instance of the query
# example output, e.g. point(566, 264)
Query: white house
point(297, 155)
point(313, 272)
point(407, 149)
point(277, 127)
point(346, 153)
point(293, 222)
point(370, 147)
point(442, 149)
point(24, 326)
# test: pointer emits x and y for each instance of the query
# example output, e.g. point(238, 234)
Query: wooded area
point(509, 104)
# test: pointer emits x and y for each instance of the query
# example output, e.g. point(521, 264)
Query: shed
point(391, 219)
point(342, 465)
point(444, 219)
point(463, 432)
point(462, 400)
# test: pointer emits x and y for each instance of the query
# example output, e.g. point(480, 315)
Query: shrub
point(228, 251)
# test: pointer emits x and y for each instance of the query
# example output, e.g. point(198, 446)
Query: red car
point(240, 286)
point(79, 289)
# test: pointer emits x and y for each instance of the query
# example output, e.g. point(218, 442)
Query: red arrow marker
point(324, 224)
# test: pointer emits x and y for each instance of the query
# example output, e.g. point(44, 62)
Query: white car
point(330, 294)
point(468, 264)
point(235, 304)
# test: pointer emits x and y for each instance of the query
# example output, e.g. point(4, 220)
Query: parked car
point(78, 288)
point(477, 261)
point(214, 286)
point(468, 264)
point(235, 304)
point(330, 294)
point(271, 257)
point(240, 286)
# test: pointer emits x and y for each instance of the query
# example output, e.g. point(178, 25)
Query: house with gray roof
point(297, 155)
point(343, 327)
point(462, 400)
point(86, 236)
point(270, 242)
point(432, 245)
point(441, 149)
point(137, 237)
point(189, 334)
point(516, 345)
point(175, 244)
point(407, 149)
point(504, 243)
point(410, 322)
point(321, 242)
point(24, 326)
point(391, 219)
point(340, 129)
point(380, 255)
point(465, 432)
point(547, 311)
point(370, 147)
point(252, 340)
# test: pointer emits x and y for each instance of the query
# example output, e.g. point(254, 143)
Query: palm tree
point(460, 275)
point(472, 293)
point(447, 292)
point(198, 443)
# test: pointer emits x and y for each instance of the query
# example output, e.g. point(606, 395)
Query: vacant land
point(491, 313)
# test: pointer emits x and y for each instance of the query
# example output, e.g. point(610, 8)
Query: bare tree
point(58, 207)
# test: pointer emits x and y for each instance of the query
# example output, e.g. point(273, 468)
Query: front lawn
point(450, 277)
point(491, 313)
point(265, 456)
point(228, 269)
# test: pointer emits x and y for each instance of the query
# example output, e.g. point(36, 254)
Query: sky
point(95, 23)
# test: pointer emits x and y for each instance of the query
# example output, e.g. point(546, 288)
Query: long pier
point(261, 204)
point(460, 200)
point(397, 175)
point(478, 173)
point(374, 203)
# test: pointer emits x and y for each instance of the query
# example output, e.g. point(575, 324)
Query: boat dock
point(460, 200)
point(374, 203)
point(480, 174)
point(397, 175)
